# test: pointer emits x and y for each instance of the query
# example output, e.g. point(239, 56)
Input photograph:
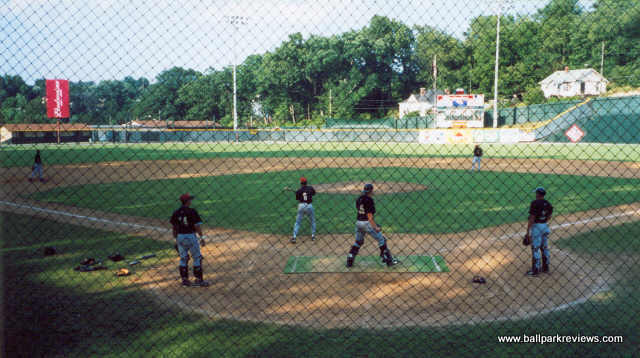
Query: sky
point(97, 40)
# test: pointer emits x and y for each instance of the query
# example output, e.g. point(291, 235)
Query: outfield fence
point(356, 238)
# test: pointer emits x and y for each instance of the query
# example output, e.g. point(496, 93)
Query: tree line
point(362, 73)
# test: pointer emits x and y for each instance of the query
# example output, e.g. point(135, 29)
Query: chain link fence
point(275, 116)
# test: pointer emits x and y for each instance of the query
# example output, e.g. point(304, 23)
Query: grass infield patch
point(331, 264)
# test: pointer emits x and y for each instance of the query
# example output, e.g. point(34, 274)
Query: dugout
point(25, 133)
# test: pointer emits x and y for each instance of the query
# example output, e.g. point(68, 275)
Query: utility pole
point(495, 79)
point(329, 102)
point(435, 86)
point(602, 60)
point(236, 21)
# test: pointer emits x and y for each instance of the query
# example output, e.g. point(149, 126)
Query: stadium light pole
point(495, 79)
point(236, 21)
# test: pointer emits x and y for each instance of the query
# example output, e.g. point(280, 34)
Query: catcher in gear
point(540, 212)
point(366, 208)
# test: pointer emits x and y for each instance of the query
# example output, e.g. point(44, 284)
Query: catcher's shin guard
point(386, 256)
point(197, 272)
point(352, 255)
point(184, 275)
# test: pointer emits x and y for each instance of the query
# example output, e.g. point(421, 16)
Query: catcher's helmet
point(368, 188)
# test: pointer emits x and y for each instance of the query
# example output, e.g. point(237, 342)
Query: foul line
point(579, 222)
point(122, 223)
point(433, 259)
point(89, 218)
point(295, 264)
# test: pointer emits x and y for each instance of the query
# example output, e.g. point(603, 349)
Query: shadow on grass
point(52, 310)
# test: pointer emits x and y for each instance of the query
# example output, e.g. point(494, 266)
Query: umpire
point(186, 222)
point(540, 213)
point(365, 224)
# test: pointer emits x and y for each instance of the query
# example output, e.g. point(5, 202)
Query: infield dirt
point(246, 268)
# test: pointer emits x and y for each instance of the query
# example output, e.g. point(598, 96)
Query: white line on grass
point(295, 264)
point(433, 259)
point(579, 222)
point(90, 218)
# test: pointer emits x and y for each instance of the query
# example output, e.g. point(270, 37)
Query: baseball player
point(477, 157)
point(186, 222)
point(365, 224)
point(36, 169)
point(540, 213)
point(304, 196)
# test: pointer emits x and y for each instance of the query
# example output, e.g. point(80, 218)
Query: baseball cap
point(303, 180)
point(540, 190)
point(186, 197)
point(368, 188)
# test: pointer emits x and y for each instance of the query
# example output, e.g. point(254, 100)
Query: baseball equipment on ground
point(479, 279)
point(526, 240)
point(116, 257)
point(123, 272)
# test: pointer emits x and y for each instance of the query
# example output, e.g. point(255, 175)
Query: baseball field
point(446, 223)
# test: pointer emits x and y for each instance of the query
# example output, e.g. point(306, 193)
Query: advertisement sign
point(433, 136)
point(57, 98)
point(461, 100)
point(574, 133)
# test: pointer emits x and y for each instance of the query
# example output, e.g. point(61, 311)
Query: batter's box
point(413, 263)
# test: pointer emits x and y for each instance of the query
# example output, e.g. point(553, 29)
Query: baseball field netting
point(320, 178)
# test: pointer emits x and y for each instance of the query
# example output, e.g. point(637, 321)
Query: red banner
point(58, 98)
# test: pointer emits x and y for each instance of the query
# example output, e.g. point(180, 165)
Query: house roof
point(163, 124)
point(429, 97)
point(585, 75)
point(149, 123)
point(45, 127)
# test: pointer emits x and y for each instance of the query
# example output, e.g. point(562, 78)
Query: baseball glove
point(526, 240)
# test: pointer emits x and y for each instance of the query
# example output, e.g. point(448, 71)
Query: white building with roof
point(419, 102)
point(571, 83)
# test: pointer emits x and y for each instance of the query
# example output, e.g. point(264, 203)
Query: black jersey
point(364, 206)
point(37, 159)
point(185, 219)
point(305, 194)
point(541, 209)
point(477, 152)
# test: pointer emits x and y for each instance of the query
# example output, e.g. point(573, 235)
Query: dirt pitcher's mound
point(383, 187)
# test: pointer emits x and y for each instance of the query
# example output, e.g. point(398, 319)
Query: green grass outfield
point(50, 310)
point(364, 263)
point(22, 155)
point(455, 201)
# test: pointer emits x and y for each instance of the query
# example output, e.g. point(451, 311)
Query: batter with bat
point(304, 196)
point(365, 224)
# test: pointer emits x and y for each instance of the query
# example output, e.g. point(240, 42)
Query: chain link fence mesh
point(236, 102)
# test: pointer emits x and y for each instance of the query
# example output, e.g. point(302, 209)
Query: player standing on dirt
point(36, 169)
point(186, 222)
point(477, 157)
point(304, 196)
point(365, 224)
point(540, 212)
